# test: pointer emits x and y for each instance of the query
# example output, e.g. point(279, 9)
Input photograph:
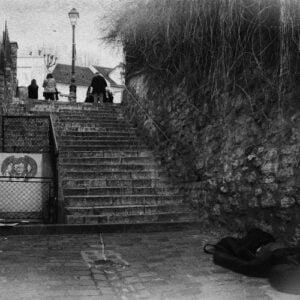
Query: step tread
point(108, 164)
point(125, 196)
point(91, 188)
point(127, 206)
point(146, 214)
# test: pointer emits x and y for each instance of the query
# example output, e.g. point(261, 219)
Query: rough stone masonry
point(237, 171)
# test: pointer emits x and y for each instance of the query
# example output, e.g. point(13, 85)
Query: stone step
point(99, 133)
point(88, 109)
point(112, 175)
point(84, 109)
point(101, 142)
point(105, 153)
point(149, 182)
point(72, 148)
point(134, 219)
point(66, 106)
point(110, 200)
point(88, 112)
point(96, 129)
point(116, 191)
point(127, 210)
point(88, 115)
point(110, 167)
point(94, 118)
point(99, 123)
point(108, 160)
point(92, 139)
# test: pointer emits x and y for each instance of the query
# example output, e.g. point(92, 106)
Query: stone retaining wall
point(26, 134)
point(239, 172)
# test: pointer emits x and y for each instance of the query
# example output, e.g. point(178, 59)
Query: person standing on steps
point(33, 89)
point(49, 86)
point(98, 86)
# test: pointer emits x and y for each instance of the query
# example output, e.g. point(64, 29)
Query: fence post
point(2, 128)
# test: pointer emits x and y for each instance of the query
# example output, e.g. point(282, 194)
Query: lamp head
point(73, 16)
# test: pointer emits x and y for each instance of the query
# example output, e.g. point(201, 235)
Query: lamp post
point(73, 16)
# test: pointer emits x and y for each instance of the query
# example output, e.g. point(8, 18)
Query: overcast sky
point(37, 23)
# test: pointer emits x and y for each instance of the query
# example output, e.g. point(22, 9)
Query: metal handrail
point(2, 127)
point(59, 205)
point(167, 138)
point(53, 134)
point(146, 113)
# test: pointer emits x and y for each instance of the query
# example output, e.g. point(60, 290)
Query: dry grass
point(212, 46)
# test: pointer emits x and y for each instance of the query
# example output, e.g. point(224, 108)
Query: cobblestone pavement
point(165, 265)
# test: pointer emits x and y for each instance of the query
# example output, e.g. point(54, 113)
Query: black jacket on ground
point(247, 256)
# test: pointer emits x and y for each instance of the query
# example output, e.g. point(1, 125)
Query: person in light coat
point(49, 86)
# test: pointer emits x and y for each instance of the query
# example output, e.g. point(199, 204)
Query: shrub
point(211, 46)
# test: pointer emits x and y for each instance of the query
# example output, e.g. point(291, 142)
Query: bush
point(211, 46)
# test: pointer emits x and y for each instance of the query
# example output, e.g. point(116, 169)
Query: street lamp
point(73, 16)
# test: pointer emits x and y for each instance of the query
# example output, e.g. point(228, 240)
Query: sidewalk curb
point(48, 229)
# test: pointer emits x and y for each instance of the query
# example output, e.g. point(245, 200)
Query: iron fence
point(25, 199)
point(33, 198)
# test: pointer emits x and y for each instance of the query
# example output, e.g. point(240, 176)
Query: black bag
point(239, 255)
point(89, 98)
point(281, 266)
point(56, 94)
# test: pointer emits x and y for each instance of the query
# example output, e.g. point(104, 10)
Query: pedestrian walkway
point(164, 265)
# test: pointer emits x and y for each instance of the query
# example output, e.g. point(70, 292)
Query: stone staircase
point(108, 176)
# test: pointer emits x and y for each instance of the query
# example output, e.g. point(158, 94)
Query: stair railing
point(2, 127)
point(53, 134)
point(146, 113)
point(162, 132)
point(59, 201)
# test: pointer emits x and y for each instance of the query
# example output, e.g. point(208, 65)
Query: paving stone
point(185, 275)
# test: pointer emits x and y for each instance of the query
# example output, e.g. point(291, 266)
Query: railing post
point(2, 128)
point(59, 205)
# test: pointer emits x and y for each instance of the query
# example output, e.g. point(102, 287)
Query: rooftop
point(83, 75)
point(62, 74)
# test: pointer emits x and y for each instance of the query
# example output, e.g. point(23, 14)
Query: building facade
point(34, 64)
point(8, 68)
point(83, 78)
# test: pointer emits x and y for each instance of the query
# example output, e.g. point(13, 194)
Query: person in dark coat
point(109, 96)
point(33, 89)
point(98, 86)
